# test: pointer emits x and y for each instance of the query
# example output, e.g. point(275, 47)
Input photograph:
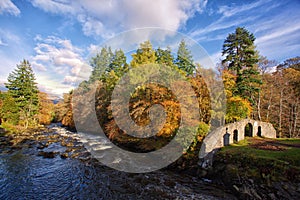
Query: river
point(25, 175)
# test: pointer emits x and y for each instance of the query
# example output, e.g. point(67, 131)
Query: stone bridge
point(231, 133)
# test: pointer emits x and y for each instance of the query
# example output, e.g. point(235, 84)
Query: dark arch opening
point(235, 135)
point(259, 131)
point(226, 138)
point(249, 130)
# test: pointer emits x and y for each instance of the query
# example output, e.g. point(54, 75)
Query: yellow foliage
point(237, 109)
point(229, 82)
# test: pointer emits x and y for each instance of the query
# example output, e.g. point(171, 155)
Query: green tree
point(118, 63)
point(9, 110)
point(164, 56)
point(241, 59)
point(184, 59)
point(237, 108)
point(145, 54)
point(23, 89)
point(100, 63)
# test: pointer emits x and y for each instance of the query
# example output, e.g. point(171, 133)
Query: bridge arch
point(248, 130)
point(235, 135)
point(237, 131)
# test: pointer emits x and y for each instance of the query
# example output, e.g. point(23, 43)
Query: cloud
point(12, 51)
point(273, 29)
point(6, 6)
point(60, 59)
point(54, 6)
point(104, 18)
point(229, 11)
point(52, 86)
point(279, 33)
point(230, 16)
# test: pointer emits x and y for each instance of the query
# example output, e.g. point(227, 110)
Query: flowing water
point(24, 175)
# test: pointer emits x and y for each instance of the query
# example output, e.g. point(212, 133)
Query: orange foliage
point(46, 109)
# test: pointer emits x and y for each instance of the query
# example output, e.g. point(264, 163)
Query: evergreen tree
point(100, 63)
point(184, 59)
point(242, 58)
point(118, 63)
point(164, 56)
point(144, 55)
point(23, 89)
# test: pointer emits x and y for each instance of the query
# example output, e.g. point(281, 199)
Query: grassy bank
point(260, 168)
point(274, 159)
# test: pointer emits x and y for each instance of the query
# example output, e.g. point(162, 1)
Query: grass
point(258, 157)
point(290, 154)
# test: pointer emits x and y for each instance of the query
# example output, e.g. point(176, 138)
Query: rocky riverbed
point(52, 163)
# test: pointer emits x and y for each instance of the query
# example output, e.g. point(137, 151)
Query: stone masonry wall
point(230, 133)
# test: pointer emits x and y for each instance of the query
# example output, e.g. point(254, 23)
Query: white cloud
point(54, 6)
point(60, 59)
point(104, 18)
point(277, 37)
point(229, 11)
point(6, 6)
point(12, 51)
point(52, 86)
point(280, 32)
point(231, 16)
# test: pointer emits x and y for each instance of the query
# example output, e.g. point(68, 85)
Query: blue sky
point(59, 36)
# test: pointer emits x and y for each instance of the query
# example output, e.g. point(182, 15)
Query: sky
point(59, 37)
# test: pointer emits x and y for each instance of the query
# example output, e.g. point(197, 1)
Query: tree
point(23, 89)
point(265, 66)
point(9, 110)
point(145, 54)
point(242, 59)
point(164, 56)
point(237, 108)
point(280, 98)
point(118, 63)
point(64, 110)
point(46, 109)
point(100, 63)
point(184, 59)
point(291, 63)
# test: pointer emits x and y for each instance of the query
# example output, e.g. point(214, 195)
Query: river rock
point(42, 145)
point(47, 154)
point(64, 155)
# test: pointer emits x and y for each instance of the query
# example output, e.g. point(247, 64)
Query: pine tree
point(118, 63)
point(144, 55)
point(164, 56)
point(100, 63)
point(23, 89)
point(242, 58)
point(184, 59)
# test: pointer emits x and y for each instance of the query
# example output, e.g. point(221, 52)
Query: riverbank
point(252, 169)
point(52, 163)
point(258, 168)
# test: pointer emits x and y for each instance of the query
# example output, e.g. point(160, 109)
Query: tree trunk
point(258, 107)
point(280, 114)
